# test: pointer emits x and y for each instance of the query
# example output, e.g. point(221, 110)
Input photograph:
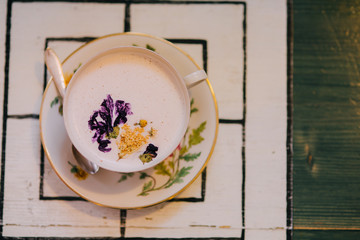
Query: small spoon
point(54, 66)
point(85, 164)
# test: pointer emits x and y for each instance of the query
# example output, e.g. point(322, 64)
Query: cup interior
point(126, 109)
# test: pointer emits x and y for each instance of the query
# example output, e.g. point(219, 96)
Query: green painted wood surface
point(326, 120)
point(326, 235)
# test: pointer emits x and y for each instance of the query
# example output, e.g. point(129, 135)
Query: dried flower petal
point(102, 121)
point(151, 149)
point(122, 109)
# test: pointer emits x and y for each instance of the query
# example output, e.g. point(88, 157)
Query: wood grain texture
point(326, 235)
point(326, 118)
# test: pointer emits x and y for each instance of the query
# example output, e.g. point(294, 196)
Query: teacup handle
point(195, 78)
point(54, 66)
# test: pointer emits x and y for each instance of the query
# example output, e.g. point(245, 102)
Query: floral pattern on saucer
point(172, 166)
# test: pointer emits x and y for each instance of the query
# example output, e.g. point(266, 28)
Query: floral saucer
point(140, 189)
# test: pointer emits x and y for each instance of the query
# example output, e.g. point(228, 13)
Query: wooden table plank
point(326, 235)
point(326, 118)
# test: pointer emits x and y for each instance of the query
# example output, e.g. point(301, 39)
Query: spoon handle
point(54, 66)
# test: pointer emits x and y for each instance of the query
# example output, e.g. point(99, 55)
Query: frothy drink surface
point(131, 89)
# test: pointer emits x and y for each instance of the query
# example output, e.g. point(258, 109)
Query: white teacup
point(127, 108)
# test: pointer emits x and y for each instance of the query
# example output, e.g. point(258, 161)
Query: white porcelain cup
point(127, 108)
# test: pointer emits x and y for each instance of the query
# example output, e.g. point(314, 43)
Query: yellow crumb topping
point(152, 132)
point(131, 140)
point(143, 123)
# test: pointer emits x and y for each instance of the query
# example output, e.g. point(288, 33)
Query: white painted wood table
point(242, 193)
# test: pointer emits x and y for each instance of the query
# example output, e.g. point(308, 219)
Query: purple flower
point(104, 120)
point(149, 153)
point(122, 109)
point(151, 149)
point(103, 143)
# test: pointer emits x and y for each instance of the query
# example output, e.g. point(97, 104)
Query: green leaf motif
point(190, 156)
point(172, 165)
point(55, 101)
point(184, 171)
point(150, 47)
point(74, 169)
point(193, 110)
point(162, 169)
point(125, 176)
point(77, 68)
point(195, 138)
point(143, 175)
point(61, 109)
point(183, 150)
point(146, 188)
point(180, 175)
